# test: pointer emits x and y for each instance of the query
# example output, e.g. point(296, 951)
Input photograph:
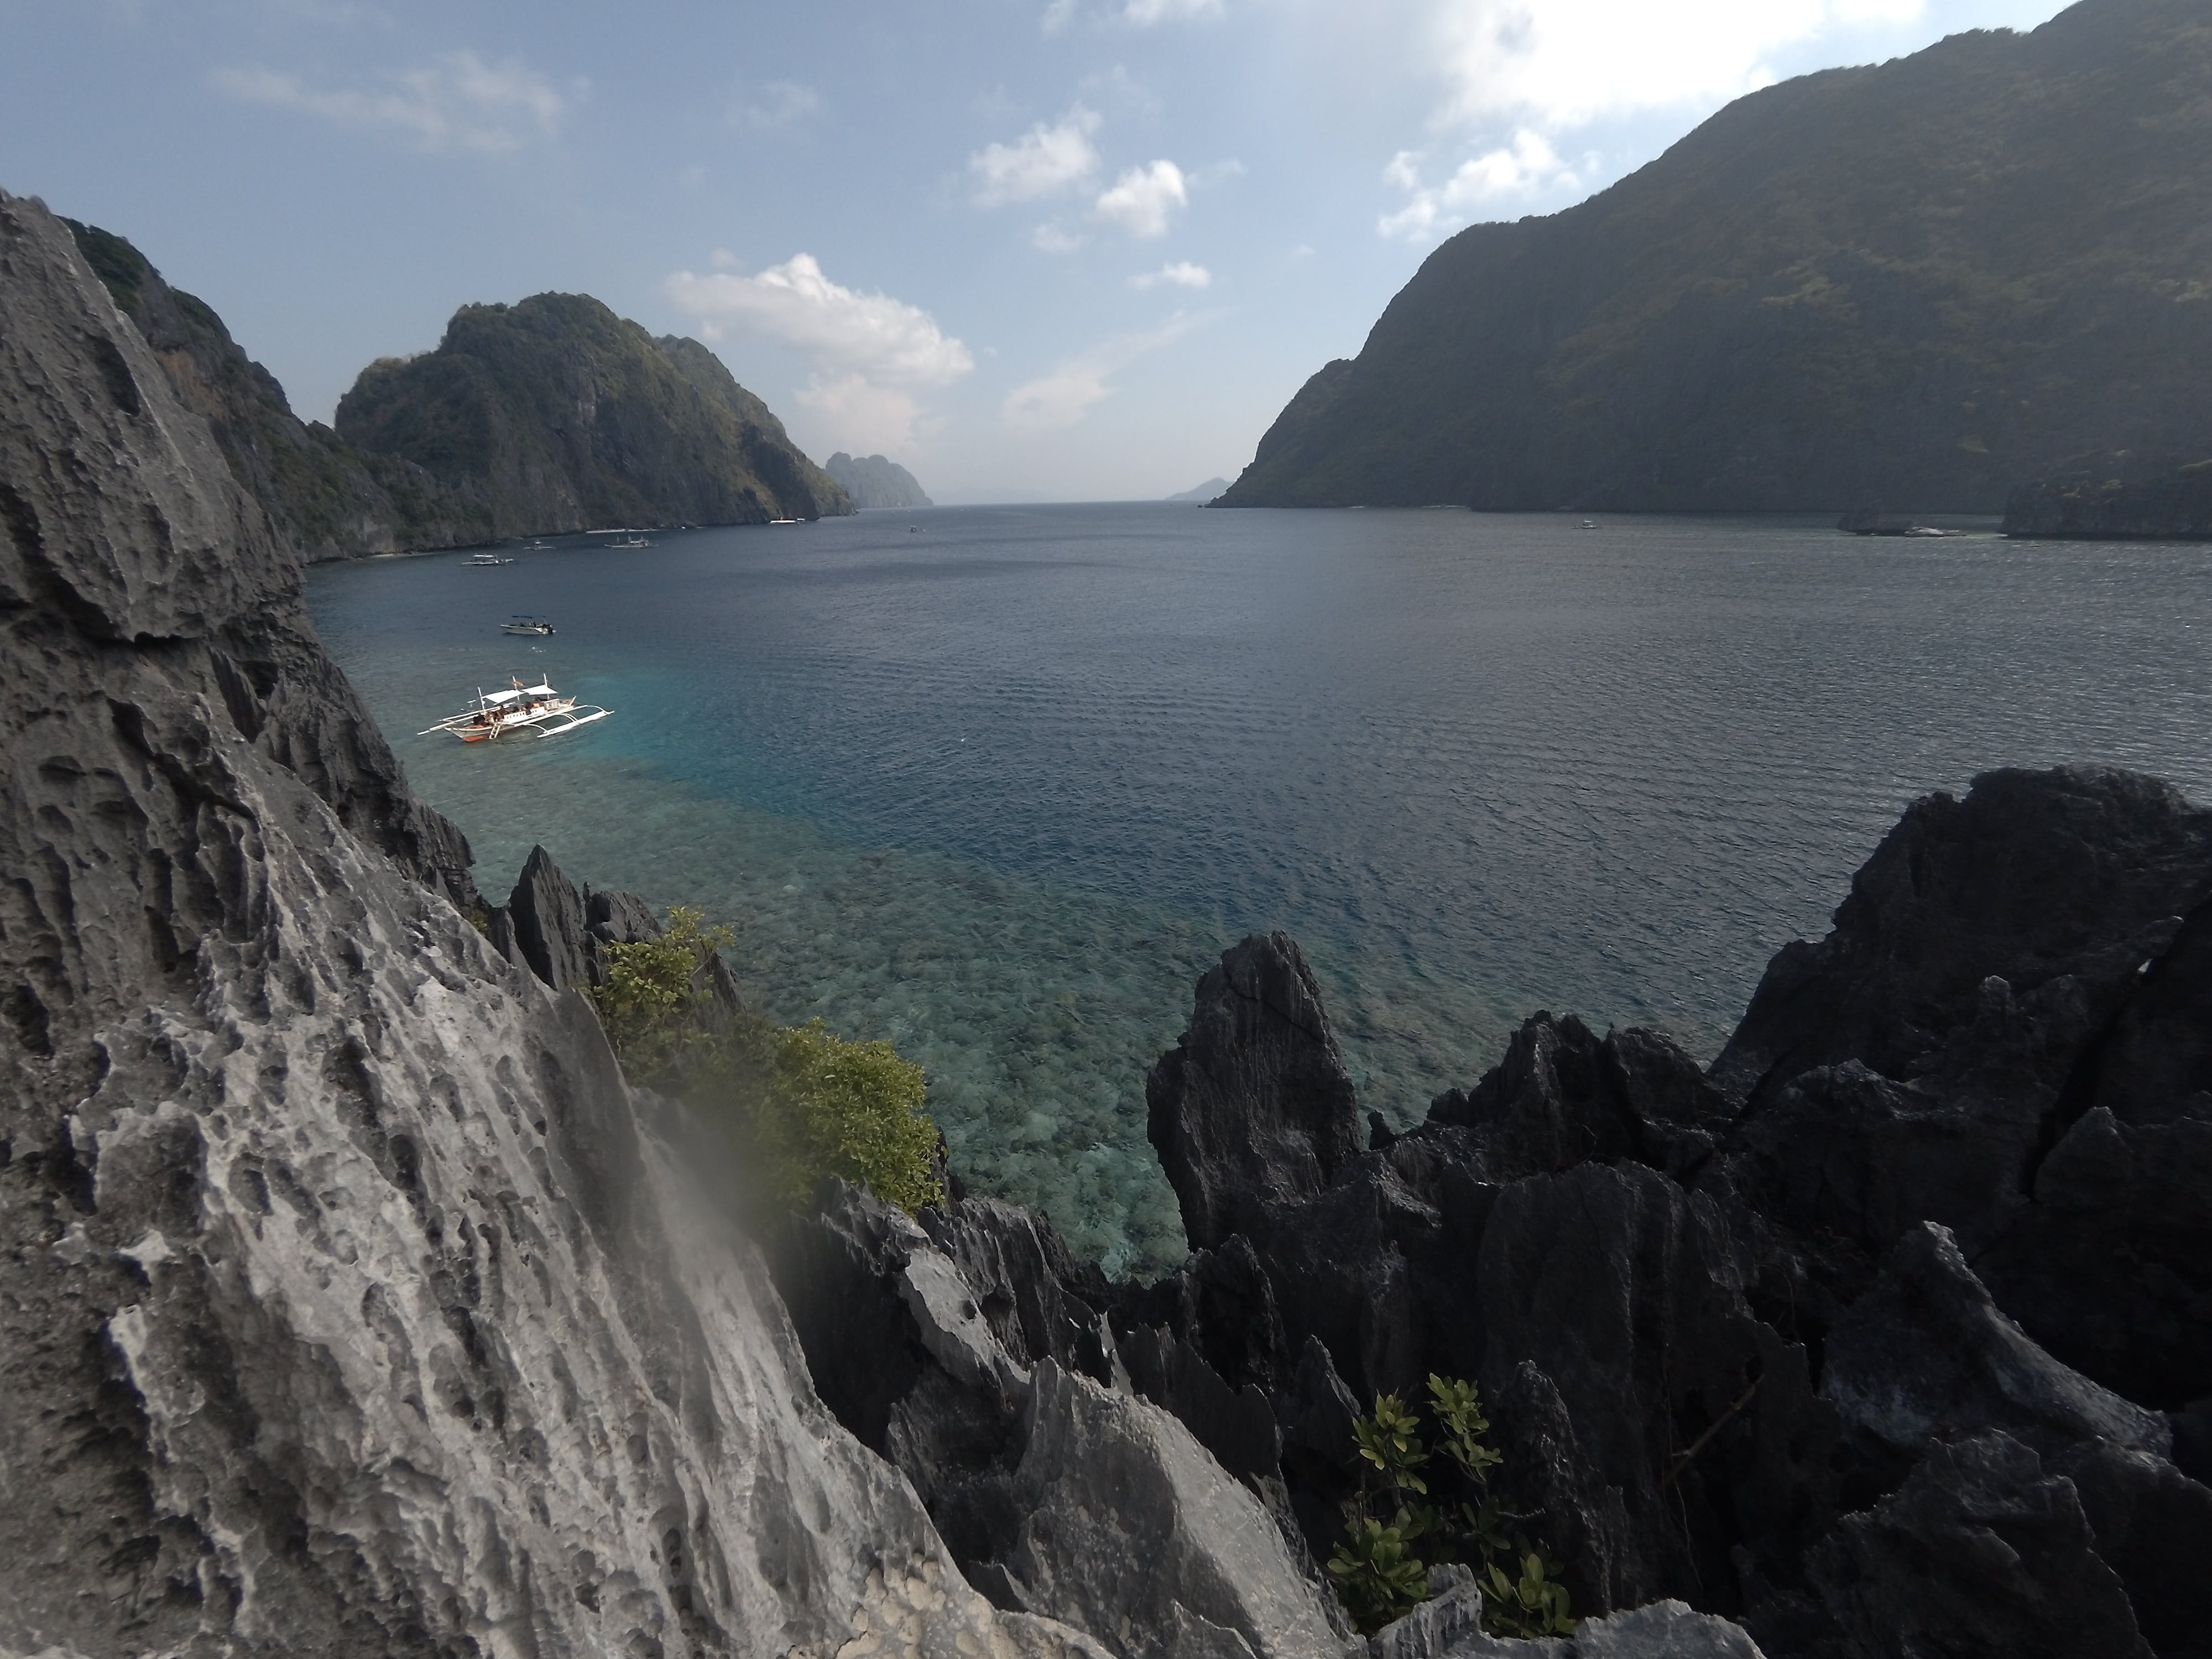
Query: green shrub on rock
point(804, 1102)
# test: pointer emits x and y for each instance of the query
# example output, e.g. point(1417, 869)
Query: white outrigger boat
point(537, 711)
point(485, 561)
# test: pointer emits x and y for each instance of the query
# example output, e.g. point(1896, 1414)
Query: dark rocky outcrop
point(1254, 1105)
point(2116, 498)
point(1914, 282)
point(874, 480)
point(1887, 1335)
point(554, 414)
point(348, 1304)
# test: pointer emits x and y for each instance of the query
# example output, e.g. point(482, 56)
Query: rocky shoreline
point(354, 1303)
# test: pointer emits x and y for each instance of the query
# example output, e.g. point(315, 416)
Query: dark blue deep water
point(999, 786)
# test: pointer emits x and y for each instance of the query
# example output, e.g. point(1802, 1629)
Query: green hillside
point(1915, 284)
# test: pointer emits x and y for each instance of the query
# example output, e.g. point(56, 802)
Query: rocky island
point(875, 481)
point(2116, 498)
point(553, 415)
point(355, 1303)
point(1919, 282)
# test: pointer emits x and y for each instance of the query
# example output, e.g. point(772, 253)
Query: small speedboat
point(486, 561)
point(536, 625)
point(536, 711)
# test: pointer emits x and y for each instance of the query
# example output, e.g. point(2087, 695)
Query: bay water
point(999, 783)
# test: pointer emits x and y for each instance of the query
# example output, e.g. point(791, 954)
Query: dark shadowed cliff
point(1913, 284)
point(554, 414)
point(2118, 498)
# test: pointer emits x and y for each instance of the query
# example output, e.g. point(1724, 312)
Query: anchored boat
point(520, 624)
point(486, 561)
point(537, 711)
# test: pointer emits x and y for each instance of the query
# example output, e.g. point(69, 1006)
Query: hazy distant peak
point(875, 481)
point(1205, 492)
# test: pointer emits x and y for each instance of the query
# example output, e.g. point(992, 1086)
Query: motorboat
point(787, 521)
point(541, 545)
point(486, 561)
point(630, 538)
point(536, 711)
point(536, 625)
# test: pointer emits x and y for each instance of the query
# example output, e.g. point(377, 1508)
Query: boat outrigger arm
point(537, 711)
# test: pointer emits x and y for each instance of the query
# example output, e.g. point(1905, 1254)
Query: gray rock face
point(347, 1308)
point(1254, 1105)
point(1927, 1354)
point(1981, 1551)
point(1662, 1629)
point(875, 481)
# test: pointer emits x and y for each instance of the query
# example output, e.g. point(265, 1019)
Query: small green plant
point(1391, 1441)
point(1532, 1604)
point(1376, 1570)
point(1377, 1573)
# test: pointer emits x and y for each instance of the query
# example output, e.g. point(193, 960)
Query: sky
point(1074, 250)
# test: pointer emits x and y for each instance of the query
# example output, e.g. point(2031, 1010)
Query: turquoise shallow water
point(1000, 785)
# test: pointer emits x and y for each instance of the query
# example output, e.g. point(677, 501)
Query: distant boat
point(630, 538)
point(539, 546)
point(485, 561)
point(1590, 524)
point(526, 625)
point(787, 521)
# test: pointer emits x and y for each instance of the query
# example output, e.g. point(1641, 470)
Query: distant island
point(549, 416)
point(873, 481)
point(1205, 492)
point(1920, 283)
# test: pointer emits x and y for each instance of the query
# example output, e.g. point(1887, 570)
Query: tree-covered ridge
point(1915, 283)
point(555, 413)
point(877, 480)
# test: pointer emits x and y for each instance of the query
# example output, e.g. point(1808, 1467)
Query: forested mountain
point(875, 481)
point(1916, 284)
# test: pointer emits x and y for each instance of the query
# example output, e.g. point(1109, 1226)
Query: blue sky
point(1035, 249)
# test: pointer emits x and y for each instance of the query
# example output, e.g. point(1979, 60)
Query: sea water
point(999, 783)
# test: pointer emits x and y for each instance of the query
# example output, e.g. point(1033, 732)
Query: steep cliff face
point(1916, 282)
point(554, 414)
point(348, 1307)
point(326, 499)
point(875, 481)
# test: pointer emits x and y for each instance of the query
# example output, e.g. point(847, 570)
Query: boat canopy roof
point(519, 691)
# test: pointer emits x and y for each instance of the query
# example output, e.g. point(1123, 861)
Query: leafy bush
point(1375, 1569)
point(805, 1102)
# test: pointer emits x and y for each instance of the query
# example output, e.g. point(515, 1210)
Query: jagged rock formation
point(875, 481)
point(1887, 1334)
point(1827, 293)
point(324, 498)
point(350, 1306)
point(554, 415)
point(2108, 498)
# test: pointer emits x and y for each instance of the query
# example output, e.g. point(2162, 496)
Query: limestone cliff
point(2119, 497)
point(555, 415)
point(1915, 283)
point(875, 481)
point(349, 1306)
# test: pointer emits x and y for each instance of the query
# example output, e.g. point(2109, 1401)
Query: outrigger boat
point(628, 539)
point(520, 624)
point(485, 561)
point(537, 711)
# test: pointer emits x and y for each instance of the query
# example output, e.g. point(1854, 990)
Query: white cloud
point(1144, 13)
point(1054, 402)
point(1140, 200)
point(1058, 15)
point(870, 353)
point(457, 101)
point(1557, 64)
point(1050, 238)
point(1181, 274)
point(1526, 167)
point(847, 331)
point(868, 419)
point(782, 103)
point(1043, 161)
